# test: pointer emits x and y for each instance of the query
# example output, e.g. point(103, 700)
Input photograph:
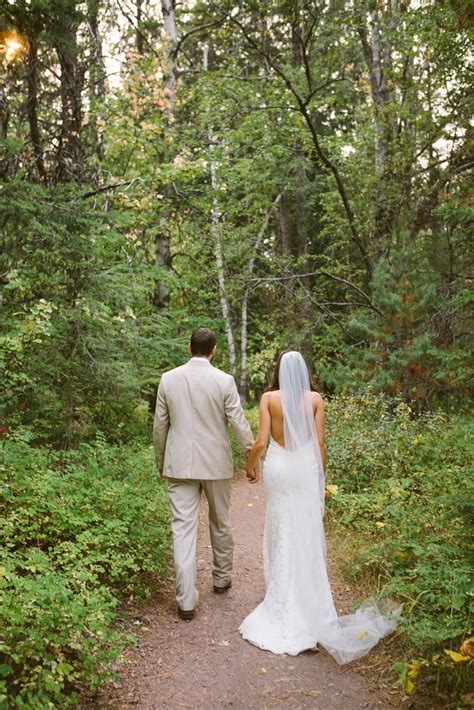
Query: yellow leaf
point(333, 489)
point(456, 657)
point(409, 686)
point(414, 669)
point(379, 524)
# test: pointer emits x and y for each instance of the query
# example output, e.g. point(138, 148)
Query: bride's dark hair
point(275, 381)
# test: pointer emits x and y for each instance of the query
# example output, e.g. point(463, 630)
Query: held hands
point(253, 473)
point(252, 466)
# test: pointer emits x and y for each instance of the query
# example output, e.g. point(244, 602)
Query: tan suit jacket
point(194, 405)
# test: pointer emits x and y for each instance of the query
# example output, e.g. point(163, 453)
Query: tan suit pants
point(185, 496)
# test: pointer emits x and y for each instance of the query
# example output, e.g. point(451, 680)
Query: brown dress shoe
point(221, 590)
point(186, 615)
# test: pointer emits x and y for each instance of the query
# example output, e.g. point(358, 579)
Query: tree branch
point(208, 25)
point(258, 281)
point(104, 188)
point(138, 30)
point(318, 148)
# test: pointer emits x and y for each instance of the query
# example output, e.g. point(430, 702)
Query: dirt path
point(206, 664)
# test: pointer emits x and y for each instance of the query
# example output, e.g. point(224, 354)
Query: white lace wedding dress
point(298, 611)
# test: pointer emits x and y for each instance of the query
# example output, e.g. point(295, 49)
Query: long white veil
point(345, 637)
point(298, 416)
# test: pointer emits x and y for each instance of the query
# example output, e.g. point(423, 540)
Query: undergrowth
point(80, 530)
point(401, 496)
point(83, 529)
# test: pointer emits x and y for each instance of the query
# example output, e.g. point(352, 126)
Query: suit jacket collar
point(199, 361)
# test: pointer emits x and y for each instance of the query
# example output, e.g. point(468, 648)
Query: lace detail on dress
point(298, 611)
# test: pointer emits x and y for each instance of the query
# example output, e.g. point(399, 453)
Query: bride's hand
point(253, 474)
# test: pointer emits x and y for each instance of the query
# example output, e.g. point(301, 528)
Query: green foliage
point(81, 347)
point(360, 124)
point(405, 494)
point(410, 347)
point(80, 531)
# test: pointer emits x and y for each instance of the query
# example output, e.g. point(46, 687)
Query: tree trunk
point(285, 248)
point(4, 121)
point(378, 57)
point(32, 106)
point(225, 306)
point(97, 78)
point(162, 260)
point(4, 110)
point(216, 228)
point(138, 34)
point(162, 242)
point(70, 151)
point(245, 301)
point(171, 33)
point(302, 244)
point(302, 215)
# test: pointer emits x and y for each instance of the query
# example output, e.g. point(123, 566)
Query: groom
point(193, 406)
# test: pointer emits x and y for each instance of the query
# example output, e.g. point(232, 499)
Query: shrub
point(405, 495)
point(80, 529)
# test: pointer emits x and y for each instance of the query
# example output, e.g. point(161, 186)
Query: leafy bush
point(404, 492)
point(80, 529)
point(56, 634)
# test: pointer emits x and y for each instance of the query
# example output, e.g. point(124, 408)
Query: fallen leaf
point(456, 657)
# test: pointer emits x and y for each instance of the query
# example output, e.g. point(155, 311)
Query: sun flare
point(12, 45)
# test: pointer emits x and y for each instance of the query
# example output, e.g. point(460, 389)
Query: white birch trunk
point(162, 242)
point(171, 32)
point(377, 90)
point(245, 302)
point(216, 228)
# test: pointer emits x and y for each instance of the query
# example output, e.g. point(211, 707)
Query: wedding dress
point(298, 611)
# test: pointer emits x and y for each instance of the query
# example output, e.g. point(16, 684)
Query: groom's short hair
point(203, 342)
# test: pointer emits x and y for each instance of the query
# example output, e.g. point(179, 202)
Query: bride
point(298, 611)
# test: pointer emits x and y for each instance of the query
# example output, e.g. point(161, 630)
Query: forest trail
point(206, 664)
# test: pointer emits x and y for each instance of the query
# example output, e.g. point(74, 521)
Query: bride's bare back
point(271, 417)
point(275, 409)
point(271, 423)
point(295, 374)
